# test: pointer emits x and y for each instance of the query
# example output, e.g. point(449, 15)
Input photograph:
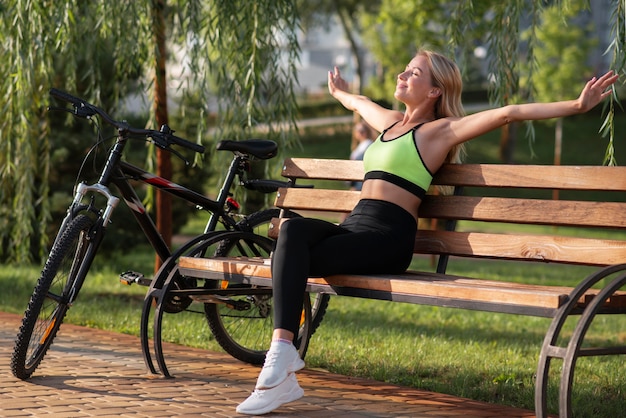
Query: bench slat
point(476, 175)
point(413, 283)
point(488, 209)
point(526, 211)
point(533, 176)
point(547, 248)
point(323, 169)
point(323, 200)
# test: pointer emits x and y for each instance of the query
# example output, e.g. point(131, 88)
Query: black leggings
point(378, 237)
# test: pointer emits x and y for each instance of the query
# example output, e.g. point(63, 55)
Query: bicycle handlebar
point(163, 138)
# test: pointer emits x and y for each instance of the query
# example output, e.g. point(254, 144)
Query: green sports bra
point(398, 161)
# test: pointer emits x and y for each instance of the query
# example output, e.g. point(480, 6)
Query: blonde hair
point(447, 77)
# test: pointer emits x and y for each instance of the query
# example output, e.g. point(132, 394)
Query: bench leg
point(158, 321)
point(550, 350)
point(574, 346)
point(156, 295)
point(149, 300)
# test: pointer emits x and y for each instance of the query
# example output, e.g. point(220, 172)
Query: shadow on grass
point(446, 323)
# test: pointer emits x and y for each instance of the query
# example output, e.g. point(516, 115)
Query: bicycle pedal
point(133, 277)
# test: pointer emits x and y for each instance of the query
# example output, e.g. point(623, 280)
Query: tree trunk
point(357, 83)
point(164, 163)
point(508, 137)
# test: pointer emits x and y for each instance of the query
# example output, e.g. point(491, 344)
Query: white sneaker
point(280, 360)
point(264, 401)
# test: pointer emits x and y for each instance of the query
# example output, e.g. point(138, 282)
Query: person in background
point(363, 137)
point(379, 234)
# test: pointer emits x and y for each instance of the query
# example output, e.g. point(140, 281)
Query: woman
point(378, 236)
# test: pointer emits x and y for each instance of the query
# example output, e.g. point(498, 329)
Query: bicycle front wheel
point(54, 292)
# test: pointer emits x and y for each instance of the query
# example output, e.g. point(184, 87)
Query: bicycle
point(90, 213)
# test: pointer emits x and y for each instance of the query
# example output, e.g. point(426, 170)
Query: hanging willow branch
point(618, 64)
point(256, 80)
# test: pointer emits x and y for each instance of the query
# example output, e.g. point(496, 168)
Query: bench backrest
point(587, 218)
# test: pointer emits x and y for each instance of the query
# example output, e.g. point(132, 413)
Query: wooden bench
point(487, 230)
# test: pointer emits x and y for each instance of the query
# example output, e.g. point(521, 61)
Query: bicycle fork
point(77, 205)
point(94, 236)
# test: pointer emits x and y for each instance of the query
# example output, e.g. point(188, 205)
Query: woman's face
point(361, 133)
point(414, 84)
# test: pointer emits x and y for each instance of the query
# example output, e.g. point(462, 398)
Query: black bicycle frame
point(216, 207)
point(120, 173)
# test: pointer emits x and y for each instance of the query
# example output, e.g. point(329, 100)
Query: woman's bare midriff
point(383, 190)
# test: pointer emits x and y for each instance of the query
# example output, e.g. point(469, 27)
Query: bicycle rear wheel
point(242, 323)
point(246, 334)
point(258, 222)
point(56, 289)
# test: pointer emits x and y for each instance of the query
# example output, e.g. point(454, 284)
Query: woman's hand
point(335, 82)
point(374, 114)
point(596, 90)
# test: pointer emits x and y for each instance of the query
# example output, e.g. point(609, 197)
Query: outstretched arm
point(375, 115)
point(463, 129)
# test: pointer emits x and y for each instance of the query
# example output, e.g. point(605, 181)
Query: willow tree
point(241, 51)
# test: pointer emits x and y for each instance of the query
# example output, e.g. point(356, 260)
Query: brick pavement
point(90, 372)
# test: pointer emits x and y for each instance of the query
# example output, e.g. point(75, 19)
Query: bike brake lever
point(179, 155)
point(166, 147)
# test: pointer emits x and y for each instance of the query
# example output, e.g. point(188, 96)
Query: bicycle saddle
point(260, 148)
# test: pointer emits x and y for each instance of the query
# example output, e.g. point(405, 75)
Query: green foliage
point(399, 28)
point(319, 12)
point(394, 34)
point(244, 55)
point(559, 48)
point(249, 51)
point(585, 145)
point(563, 47)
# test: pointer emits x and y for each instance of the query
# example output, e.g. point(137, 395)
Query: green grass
point(484, 356)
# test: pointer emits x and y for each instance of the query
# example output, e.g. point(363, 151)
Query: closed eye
point(414, 71)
